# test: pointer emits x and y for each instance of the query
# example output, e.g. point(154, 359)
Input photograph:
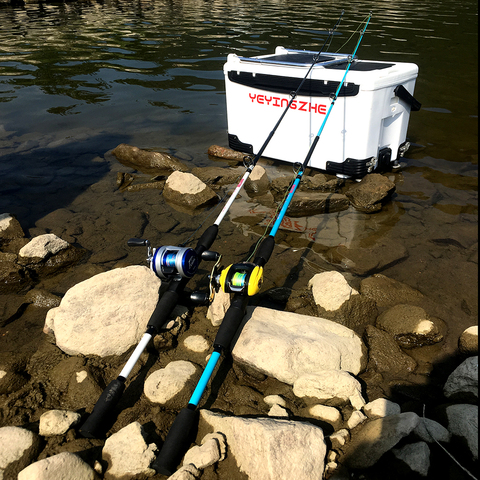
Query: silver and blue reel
point(170, 261)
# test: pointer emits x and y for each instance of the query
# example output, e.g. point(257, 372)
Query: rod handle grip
point(176, 443)
point(231, 322)
point(95, 425)
point(265, 251)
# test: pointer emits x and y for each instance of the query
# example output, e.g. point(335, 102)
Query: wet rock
point(431, 431)
point(14, 278)
point(288, 449)
point(186, 190)
point(381, 407)
point(43, 246)
point(82, 391)
point(356, 313)
point(10, 228)
point(216, 177)
point(128, 454)
point(370, 193)
point(387, 292)
point(462, 383)
point(18, 448)
point(410, 326)
point(12, 376)
point(317, 183)
point(330, 290)
point(327, 414)
point(227, 153)
point(147, 161)
point(377, 437)
point(330, 386)
point(165, 385)
point(257, 183)
point(196, 343)
point(468, 341)
point(106, 314)
point(463, 423)
point(287, 345)
point(416, 456)
point(385, 356)
point(48, 254)
point(10, 306)
point(42, 298)
point(304, 204)
point(57, 422)
point(364, 261)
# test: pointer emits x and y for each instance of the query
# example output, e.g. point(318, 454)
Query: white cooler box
point(367, 126)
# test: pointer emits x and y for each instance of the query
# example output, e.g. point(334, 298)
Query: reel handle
point(138, 242)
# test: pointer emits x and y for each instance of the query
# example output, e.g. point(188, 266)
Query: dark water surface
point(78, 78)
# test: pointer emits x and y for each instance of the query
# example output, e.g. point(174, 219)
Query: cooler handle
point(402, 93)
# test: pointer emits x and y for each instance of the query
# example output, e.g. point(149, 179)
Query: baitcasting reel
point(245, 278)
point(169, 261)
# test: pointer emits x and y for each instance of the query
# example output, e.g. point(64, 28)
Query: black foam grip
point(231, 322)
point(207, 239)
point(94, 426)
point(265, 251)
point(166, 305)
point(176, 443)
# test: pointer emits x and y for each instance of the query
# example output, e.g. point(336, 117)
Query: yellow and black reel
point(245, 278)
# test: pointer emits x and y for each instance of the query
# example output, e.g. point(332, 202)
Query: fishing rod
point(244, 280)
point(177, 265)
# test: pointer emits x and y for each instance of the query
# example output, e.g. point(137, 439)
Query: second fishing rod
point(177, 265)
point(244, 280)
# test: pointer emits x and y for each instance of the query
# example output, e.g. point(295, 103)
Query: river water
point(78, 78)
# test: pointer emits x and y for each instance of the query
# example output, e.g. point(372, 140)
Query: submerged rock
point(370, 193)
point(410, 326)
point(147, 161)
point(227, 153)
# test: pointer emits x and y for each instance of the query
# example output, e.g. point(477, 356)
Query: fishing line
point(274, 216)
point(352, 35)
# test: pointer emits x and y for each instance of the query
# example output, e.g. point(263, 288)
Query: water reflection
point(78, 78)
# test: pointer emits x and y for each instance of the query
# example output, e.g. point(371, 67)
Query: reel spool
point(169, 261)
point(245, 278)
